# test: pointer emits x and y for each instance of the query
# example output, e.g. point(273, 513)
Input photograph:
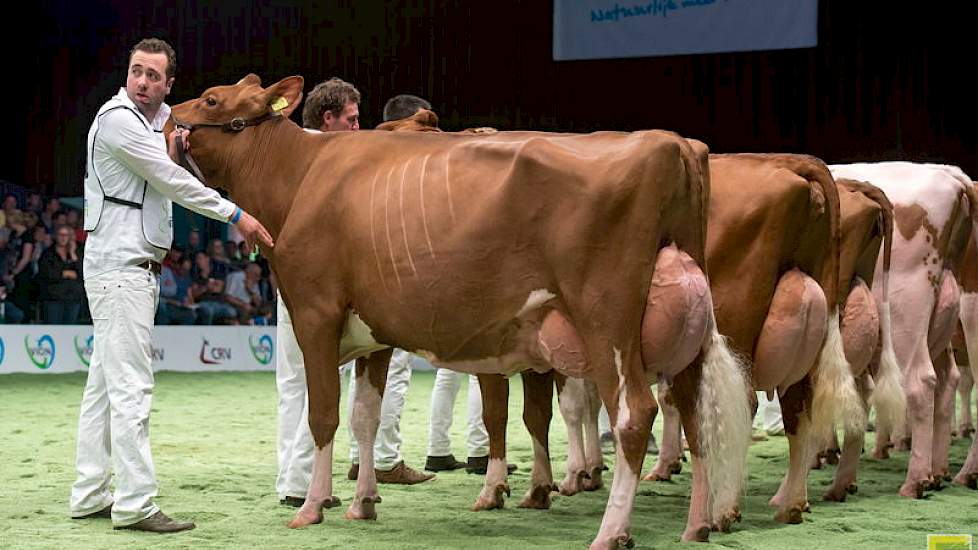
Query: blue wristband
point(236, 216)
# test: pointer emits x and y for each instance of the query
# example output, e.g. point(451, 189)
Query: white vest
point(156, 209)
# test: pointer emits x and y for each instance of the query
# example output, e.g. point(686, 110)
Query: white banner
point(601, 29)
point(68, 348)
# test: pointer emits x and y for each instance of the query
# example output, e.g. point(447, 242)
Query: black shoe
point(443, 463)
point(295, 502)
point(480, 464)
point(158, 523)
point(103, 513)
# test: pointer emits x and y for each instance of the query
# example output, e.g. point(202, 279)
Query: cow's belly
point(537, 337)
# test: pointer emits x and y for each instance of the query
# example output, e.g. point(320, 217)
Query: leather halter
point(235, 125)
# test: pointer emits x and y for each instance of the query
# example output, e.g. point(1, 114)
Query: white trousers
point(768, 417)
point(113, 425)
point(387, 447)
point(447, 384)
point(295, 443)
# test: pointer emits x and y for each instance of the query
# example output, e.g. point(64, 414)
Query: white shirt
point(127, 154)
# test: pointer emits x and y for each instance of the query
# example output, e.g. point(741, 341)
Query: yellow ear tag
point(279, 104)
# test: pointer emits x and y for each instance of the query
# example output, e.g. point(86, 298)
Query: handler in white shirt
point(129, 184)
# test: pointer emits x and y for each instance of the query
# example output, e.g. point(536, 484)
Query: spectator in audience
point(238, 261)
point(173, 257)
point(34, 203)
point(60, 218)
point(60, 278)
point(9, 312)
point(9, 204)
point(193, 242)
point(20, 278)
point(74, 220)
point(47, 217)
point(212, 305)
point(176, 304)
point(201, 269)
point(42, 241)
point(244, 292)
point(220, 264)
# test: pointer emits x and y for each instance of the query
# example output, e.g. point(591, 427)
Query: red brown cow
point(773, 255)
point(867, 223)
point(484, 253)
point(935, 208)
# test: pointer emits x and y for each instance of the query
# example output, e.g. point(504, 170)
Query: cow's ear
point(252, 78)
point(284, 96)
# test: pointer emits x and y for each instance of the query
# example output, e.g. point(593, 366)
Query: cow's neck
point(259, 178)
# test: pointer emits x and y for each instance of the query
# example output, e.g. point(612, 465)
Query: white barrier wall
point(68, 348)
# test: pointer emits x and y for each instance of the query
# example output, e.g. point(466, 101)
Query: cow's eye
point(211, 102)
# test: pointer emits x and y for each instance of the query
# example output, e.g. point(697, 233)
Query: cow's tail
point(724, 414)
point(835, 400)
point(888, 397)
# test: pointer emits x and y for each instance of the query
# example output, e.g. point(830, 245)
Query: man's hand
point(253, 231)
point(171, 143)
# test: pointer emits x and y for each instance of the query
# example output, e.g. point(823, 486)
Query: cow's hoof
point(791, 516)
point(663, 471)
point(702, 534)
point(852, 489)
point(491, 498)
point(364, 508)
point(968, 480)
point(573, 483)
point(832, 456)
point(593, 482)
point(304, 518)
point(912, 489)
point(727, 520)
point(613, 543)
point(537, 498)
point(967, 432)
point(934, 483)
point(836, 493)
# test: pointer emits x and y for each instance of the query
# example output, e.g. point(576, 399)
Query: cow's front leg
point(320, 345)
point(537, 413)
point(371, 373)
point(631, 409)
point(495, 404)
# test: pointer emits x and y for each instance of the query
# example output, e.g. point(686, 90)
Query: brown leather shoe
point(354, 472)
point(401, 474)
point(158, 523)
point(103, 513)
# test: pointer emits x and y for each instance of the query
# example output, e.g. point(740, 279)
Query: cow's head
point(223, 113)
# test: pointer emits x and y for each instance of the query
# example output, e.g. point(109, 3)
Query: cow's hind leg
point(537, 413)
point(845, 475)
point(966, 426)
point(670, 446)
point(593, 458)
point(944, 393)
point(572, 397)
point(371, 373)
point(495, 404)
point(792, 497)
point(968, 475)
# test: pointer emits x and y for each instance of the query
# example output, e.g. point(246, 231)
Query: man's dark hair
point(155, 45)
point(331, 95)
point(403, 106)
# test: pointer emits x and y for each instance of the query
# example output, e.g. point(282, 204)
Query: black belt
point(151, 265)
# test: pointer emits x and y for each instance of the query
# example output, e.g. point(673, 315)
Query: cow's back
point(453, 232)
point(768, 214)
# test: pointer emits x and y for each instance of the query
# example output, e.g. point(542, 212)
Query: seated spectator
point(20, 279)
point(220, 263)
point(74, 218)
point(10, 314)
point(35, 203)
point(9, 205)
point(47, 216)
point(176, 303)
point(212, 305)
point(238, 261)
point(245, 292)
point(60, 279)
point(193, 242)
point(202, 267)
point(173, 257)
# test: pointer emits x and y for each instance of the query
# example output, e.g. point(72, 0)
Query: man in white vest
point(130, 182)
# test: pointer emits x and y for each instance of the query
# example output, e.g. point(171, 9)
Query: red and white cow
point(935, 209)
